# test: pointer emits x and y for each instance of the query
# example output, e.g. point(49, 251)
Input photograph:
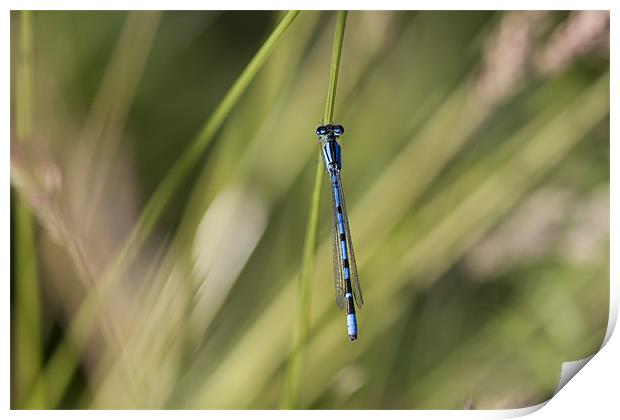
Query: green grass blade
point(27, 345)
point(291, 397)
point(341, 22)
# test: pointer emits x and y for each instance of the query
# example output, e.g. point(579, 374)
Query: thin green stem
point(291, 399)
point(28, 352)
point(60, 368)
point(341, 21)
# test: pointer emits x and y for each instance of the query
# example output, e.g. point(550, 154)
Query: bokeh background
point(156, 248)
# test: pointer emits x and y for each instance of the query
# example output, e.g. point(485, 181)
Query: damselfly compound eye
point(338, 130)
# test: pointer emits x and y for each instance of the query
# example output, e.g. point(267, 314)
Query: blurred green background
point(476, 168)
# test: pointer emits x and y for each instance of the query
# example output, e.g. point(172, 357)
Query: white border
point(595, 392)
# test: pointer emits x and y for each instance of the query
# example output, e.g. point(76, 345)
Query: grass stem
point(292, 394)
point(341, 21)
point(28, 350)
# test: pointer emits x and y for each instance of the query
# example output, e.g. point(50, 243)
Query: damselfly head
point(330, 130)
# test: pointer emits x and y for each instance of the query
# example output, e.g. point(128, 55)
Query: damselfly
point(346, 281)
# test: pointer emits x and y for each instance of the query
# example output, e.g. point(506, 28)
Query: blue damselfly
point(346, 281)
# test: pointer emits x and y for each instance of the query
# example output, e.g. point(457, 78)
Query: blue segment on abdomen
point(343, 248)
point(336, 197)
point(340, 221)
point(352, 324)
